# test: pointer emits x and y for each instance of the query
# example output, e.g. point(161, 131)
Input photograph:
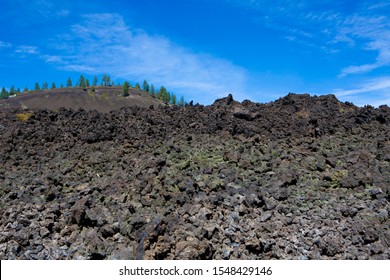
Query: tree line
point(161, 93)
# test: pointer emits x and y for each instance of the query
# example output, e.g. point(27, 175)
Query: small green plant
point(23, 117)
point(275, 154)
point(337, 176)
point(91, 92)
point(105, 96)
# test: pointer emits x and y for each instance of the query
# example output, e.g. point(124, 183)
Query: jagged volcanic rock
point(299, 178)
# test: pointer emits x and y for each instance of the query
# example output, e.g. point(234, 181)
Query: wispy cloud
point(379, 5)
point(51, 58)
point(375, 33)
point(324, 25)
point(45, 8)
point(336, 27)
point(285, 7)
point(26, 50)
point(358, 69)
point(299, 21)
point(62, 13)
point(104, 43)
point(374, 92)
point(5, 44)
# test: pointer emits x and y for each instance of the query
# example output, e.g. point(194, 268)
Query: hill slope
point(103, 99)
point(299, 178)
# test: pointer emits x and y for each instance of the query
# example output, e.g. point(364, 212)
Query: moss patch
point(23, 117)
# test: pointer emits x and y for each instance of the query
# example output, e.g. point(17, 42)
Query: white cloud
point(374, 92)
point(374, 85)
point(379, 5)
point(300, 22)
point(104, 43)
point(26, 49)
point(5, 44)
point(286, 7)
point(45, 8)
point(358, 69)
point(368, 28)
point(375, 32)
point(51, 58)
point(62, 13)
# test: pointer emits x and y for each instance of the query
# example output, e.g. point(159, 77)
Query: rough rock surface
point(299, 178)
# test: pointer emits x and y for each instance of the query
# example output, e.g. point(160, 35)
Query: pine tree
point(45, 86)
point(145, 86)
point(4, 94)
point(181, 101)
point(106, 80)
point(94, 83)
point(53, 85)
point(137, 86)
point(167, 97)
point(173, 99)
point(81, 82)
point(37, 87)
point(160, 93)
point(87, 83)
point(62, 85)
point(125, 88)
point(152, 91)
point(69, 82)
point(163, 95)
point(12, 90)
point(25, 89)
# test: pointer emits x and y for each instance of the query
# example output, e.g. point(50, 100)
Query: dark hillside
point(299, 178)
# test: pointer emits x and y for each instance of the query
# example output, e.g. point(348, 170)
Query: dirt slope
point(103, 99)
point(299, 178)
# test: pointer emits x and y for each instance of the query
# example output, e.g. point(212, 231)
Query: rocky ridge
point(299, 178)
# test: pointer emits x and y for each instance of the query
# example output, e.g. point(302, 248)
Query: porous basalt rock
point(299, 178)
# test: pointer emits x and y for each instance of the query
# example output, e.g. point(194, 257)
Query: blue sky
point(203, 49)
